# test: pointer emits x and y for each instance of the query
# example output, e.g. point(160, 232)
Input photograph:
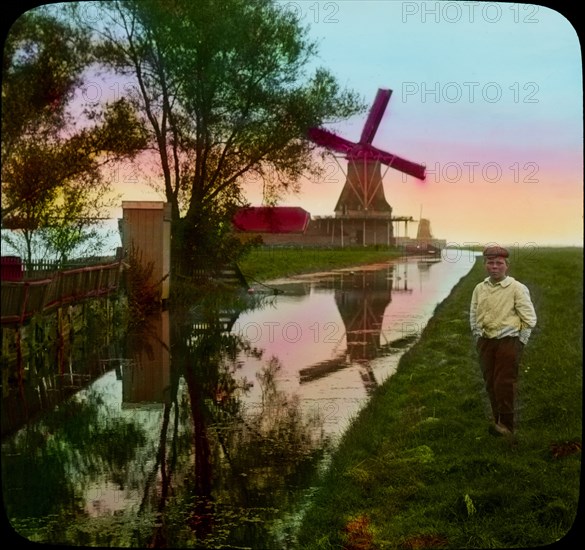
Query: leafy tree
point(224, 90)
point(53, 189)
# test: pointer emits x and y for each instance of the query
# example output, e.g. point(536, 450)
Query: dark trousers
point(499, 359)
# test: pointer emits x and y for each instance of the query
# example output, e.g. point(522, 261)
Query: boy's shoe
point(500, 430)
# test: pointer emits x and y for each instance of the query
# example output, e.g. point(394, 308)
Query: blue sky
point(487, 95)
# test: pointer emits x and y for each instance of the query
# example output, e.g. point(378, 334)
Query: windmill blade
point(329, 140)
point(398, 163)
point(375, 116)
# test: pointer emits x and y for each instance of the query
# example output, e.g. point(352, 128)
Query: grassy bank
point(267, 263)
point(418, 469)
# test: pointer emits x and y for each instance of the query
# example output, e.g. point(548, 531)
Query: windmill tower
point(362, 209)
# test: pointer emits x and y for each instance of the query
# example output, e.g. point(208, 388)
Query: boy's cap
point(496, 252)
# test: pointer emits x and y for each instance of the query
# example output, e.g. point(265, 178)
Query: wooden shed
point(146, 229)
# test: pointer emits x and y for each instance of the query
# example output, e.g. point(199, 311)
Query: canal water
point(210, 424)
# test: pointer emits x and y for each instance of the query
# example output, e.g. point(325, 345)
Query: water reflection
point(146, 372)
point(42, 366)
point(211, 426)
point(247, 461)
point(361, 298)
point(340, 334)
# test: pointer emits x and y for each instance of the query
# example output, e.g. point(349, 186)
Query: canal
point(210, 424)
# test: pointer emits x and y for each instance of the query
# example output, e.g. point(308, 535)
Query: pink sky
point(490, 101)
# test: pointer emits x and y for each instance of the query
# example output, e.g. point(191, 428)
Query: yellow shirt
point(502, 309)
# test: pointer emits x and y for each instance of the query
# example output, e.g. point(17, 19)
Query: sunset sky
point(488, 96)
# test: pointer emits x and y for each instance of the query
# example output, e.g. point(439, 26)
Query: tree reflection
point(50, 465)
point(243, 458)
point(167, 450)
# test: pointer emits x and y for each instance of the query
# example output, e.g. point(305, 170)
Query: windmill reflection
point(362, 297)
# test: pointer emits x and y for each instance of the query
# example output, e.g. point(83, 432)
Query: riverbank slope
point(262, 264)
point(418, 468)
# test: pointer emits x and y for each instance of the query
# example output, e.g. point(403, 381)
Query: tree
point(223, 89)
point(53, 190)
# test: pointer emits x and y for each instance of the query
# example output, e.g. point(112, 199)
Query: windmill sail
point(363, 150)
point(375, 116)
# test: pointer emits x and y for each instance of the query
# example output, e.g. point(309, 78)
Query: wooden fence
point(44, 269)
point(23, 299)
point(229, 275)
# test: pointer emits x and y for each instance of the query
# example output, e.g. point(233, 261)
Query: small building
point(11, 268)
point(292, 225)
point(424, 242)
point(145, 230)
point(272, 219)
point(274, 224)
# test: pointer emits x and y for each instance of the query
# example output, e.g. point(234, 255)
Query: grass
point(267, 263)
point(418, 469)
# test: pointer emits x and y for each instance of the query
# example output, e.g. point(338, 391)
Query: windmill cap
point(496, 252)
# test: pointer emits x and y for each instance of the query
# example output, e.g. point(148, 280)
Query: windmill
point(362, 199)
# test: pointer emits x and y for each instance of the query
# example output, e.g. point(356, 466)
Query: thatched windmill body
point(362, 209)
